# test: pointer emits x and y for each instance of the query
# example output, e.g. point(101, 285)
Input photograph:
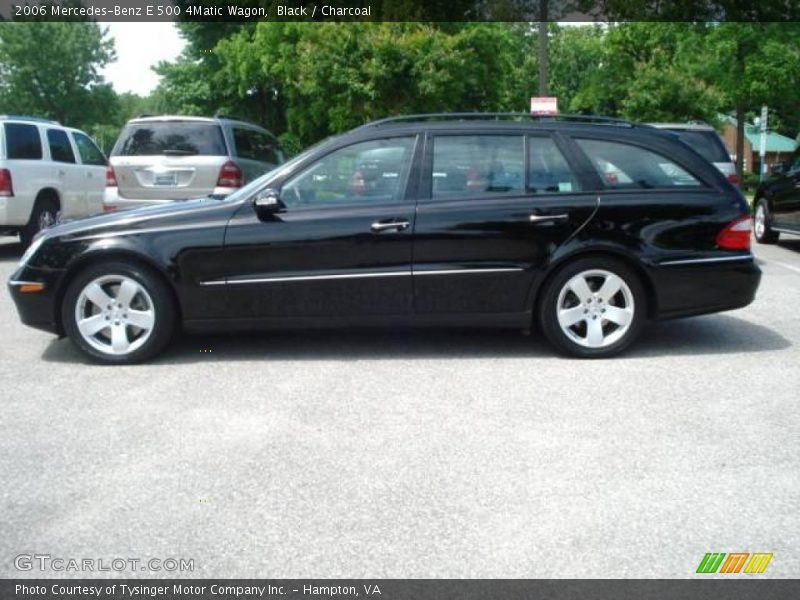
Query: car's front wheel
point(763, 224)
point(118, 313)
point(593, 308)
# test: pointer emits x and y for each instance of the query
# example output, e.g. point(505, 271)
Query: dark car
point(777, 202)
point(586, 227)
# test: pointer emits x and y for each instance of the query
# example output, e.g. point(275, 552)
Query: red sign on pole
point(544, 105)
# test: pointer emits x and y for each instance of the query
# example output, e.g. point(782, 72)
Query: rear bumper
point(15, 212)
point(113, 200)
point(687, 288)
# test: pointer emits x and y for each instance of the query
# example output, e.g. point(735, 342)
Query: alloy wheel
point(595, 308)
point(115, 314)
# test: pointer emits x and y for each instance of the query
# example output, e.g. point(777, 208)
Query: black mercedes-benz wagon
point(582, 227)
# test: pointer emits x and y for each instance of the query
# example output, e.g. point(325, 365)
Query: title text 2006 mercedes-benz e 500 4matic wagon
point(584, 228)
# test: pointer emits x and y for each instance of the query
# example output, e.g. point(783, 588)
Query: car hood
point(147, 217)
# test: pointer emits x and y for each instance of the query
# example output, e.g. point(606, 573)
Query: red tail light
point(111, 178)
point(736, 235)
point(733, 178)
point(230, 175)
point(6, 187)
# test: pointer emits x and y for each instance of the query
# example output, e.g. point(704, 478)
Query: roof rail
point(33, 119)
point(229, 117)
point(498, 116)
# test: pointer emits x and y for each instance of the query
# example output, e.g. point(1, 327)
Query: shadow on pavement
point(792, 243)
point(719, 334)
point(713, 334)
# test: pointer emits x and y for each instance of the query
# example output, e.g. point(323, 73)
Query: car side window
point(548, 170)
point(255, 145)
point(60, 148)
point(23, 141)
point(625, 166)
point(363, 173)
point(89, 153)
point(477, 165)
point(794, 163)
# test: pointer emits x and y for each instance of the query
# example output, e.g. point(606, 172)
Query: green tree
point(649, 72)
point(574, 53)
point(312, 80)
point(52, 70)
point(753, 64)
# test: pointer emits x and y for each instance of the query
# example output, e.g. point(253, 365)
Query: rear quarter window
point(171, 138)
point(23, 141)
point(89, 152)
point(255, 145)
point(627, 166)
point(706, 143)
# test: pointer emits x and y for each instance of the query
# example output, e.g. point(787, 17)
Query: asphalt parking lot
point(412, 454)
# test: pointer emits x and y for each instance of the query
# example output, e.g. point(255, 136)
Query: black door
point(340, 247)
point(786, 195)
point(498, 206)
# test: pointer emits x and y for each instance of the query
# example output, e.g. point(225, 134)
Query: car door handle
point(534, 218)
point(61, 173)
point(397, 225)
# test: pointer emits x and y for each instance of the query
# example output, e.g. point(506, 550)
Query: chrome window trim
point(281, 279)
point(692, 261)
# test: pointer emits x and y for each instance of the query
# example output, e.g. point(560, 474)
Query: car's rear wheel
point(763, 224)
point(118, 313)
point(45, 214)
point(593, 308)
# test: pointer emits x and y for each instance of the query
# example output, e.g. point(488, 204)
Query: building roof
point(775, 141)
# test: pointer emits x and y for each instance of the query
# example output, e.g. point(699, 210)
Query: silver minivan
point(167, 158)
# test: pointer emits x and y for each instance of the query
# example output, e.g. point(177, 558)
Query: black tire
point(766, 235)
point(630, 299)
point(157, 294)
point(45, 213)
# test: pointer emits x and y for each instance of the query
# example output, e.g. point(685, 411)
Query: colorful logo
point(713, 562)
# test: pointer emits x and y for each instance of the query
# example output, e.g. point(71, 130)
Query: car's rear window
point(23, 141)
point(177, 138)
point(706, 143)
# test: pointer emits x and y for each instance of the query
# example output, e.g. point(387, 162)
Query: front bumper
point(37, 308)
point(696, 288)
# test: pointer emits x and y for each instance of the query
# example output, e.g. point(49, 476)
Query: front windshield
point(252, 187)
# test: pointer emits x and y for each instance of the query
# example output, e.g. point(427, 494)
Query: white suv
point(167, 158)
point(47, 172)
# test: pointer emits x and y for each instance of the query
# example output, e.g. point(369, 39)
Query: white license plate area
point(165, 179)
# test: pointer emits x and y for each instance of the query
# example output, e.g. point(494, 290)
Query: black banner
point(400, 10)
point(736, 587)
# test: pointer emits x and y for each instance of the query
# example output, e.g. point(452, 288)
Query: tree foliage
point(53, 70)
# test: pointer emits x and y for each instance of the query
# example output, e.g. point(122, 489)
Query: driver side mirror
point(267, 203)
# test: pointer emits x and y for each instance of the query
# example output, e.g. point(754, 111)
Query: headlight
point(37, 243)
